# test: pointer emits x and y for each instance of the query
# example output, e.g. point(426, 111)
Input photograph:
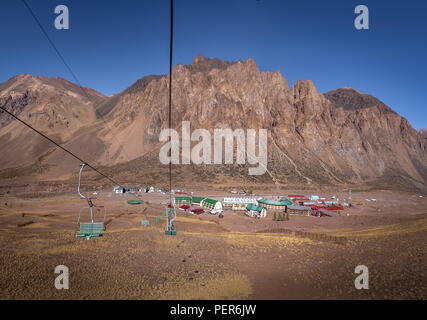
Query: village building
point(214, 206)
point(330, 203)
point(197, 200)
point(322, 212)
point(299, 210)
point(184, 207)
point(297, 199)
point(255, 211)
point(330, 208)
point(133, 189)
point(160, 189)
point(308, 203)
point(238, 203)
point(118, 189)
point(178, 201)
point(273, 204)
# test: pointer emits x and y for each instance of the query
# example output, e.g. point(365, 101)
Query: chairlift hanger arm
point(80, 178)
point(89, 199)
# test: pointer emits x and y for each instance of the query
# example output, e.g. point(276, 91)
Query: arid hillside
point(54, 106)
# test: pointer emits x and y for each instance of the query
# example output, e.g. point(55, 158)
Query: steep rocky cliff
point(342, 136)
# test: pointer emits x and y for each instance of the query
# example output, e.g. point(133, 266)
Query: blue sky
point(111, 44)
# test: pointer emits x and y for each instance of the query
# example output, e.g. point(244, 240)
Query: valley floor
point(235, 257)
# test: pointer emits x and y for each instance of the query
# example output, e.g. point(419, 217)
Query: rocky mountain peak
point(24, 83)
point(302, 89)
point(351, 99)
point(204, 64)
point(199, 59)
point(250, 62)
point(342, 136)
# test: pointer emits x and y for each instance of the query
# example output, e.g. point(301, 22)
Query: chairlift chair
point(145, 222)
point(92, 228)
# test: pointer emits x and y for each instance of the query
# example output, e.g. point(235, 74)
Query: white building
point(238, 203)
point(118, 189)
point(214, 206)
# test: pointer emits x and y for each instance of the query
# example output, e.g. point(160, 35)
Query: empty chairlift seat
point(89, 229)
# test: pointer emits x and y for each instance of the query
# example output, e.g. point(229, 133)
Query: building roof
point(299, 208)
point(328, 212)
point(254, 207)
point(197, 199)
point(330, 201)
point(211, 201)
point(282, 202)
point(239, 200)
point(334, 208)
point(326, 207)
point(197, 211)
point(182, 198)
point(298, 198)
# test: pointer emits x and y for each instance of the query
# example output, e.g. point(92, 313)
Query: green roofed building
point(273, 204)
point(253, 210)
point(197, 200)
point(214, 206)
point(182, 200)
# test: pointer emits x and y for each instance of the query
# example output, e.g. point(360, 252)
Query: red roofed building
point(333, 208)
point(197, 211)
point(325, 207)
point(298, 199)
point(184, 207)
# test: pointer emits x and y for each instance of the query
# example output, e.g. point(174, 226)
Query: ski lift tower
point(170, 217)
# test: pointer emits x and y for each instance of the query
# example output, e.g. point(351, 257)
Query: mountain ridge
point(341, 136)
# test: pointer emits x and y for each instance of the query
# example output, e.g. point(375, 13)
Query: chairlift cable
point(88, 97)
point(170, 93)
point(70, 70)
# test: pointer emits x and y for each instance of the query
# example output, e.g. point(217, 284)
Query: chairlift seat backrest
point(88, 229)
